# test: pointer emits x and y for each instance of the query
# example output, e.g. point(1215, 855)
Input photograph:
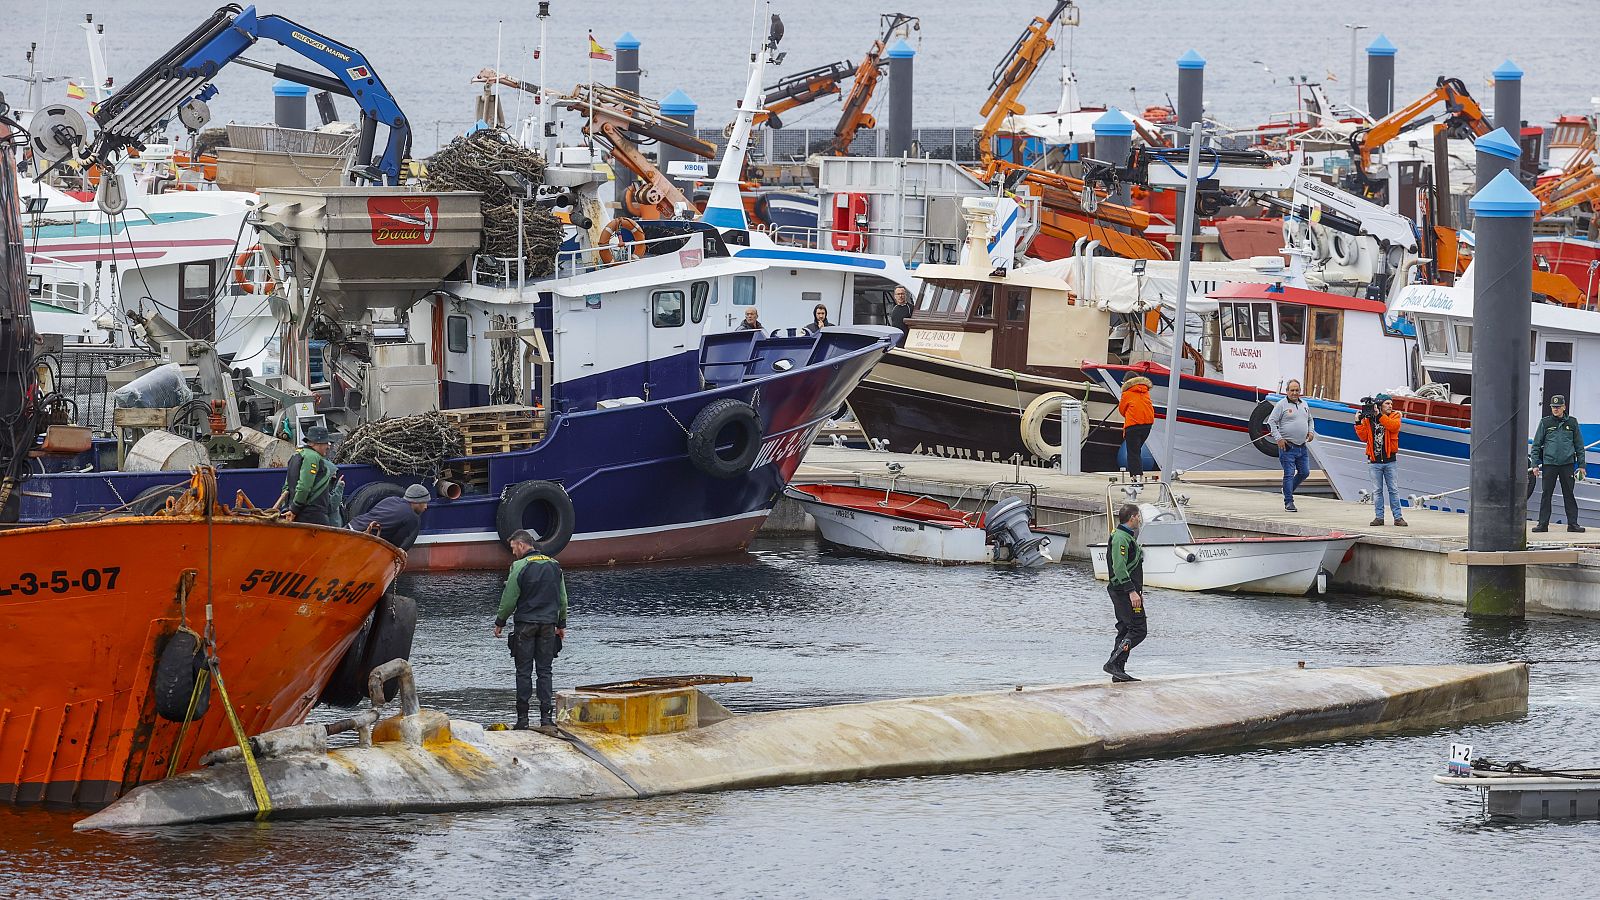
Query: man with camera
point(1379, 425)
point(1557, 456)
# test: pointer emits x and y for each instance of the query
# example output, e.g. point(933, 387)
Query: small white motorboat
point(1521, 791)
point(919, 528)
point(1175, 558)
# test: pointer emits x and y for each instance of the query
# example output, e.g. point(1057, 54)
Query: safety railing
point(59, 283)
point(912, 249)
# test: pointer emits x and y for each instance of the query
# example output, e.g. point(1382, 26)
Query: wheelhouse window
point(983, 302)
point(1016, 304)
point(1225, 321)
point(455, 338)
point(1325, 328)
point(1292, 324)
point(1558, 351)
point(1263, 321)
point(1432, 332)
point(744, 290)
point(1463, 338)
point(666, 309)
point(699, 296)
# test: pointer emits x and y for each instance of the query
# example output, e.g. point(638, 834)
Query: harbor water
point(1357, 818)
point(1124, 53)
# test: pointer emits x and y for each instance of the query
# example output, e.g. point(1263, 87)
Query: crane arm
point(1459, 106)
point(1577, 168)
point(185, 73)
point(660, 192)
point(855, 116)
point(1585, 189)
point(1387, 227)
point(801, 88)
point(1010, 78)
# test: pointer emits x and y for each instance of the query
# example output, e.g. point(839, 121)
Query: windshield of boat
point(945, 299)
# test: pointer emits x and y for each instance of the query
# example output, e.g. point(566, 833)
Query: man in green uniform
point(1557, 456)
point(535, 601)
point(1125, 559)
point(309, 482)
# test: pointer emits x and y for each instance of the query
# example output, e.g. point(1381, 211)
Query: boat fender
point(547, 497)
point(348, 685)
point(1033, 419)
point(364, 498)
point(1184, 554)
point(153, 500)
point(1345, 249)
point(1260, 434)
point(394, 627)
point(178, 669)
point(707, 431)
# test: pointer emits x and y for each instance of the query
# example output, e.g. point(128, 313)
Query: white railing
point(61, 284)
point(913, 249)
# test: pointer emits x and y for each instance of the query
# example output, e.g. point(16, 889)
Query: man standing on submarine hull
point(1125, 559)
point(535, 601)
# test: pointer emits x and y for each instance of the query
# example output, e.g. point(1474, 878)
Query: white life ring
point(1033, 423)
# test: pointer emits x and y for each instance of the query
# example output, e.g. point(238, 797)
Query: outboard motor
point(1007, 524)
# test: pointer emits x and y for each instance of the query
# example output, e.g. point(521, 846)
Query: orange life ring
point(610, 233)
point(241, 277)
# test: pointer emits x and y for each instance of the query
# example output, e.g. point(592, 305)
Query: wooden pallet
point(498, 429)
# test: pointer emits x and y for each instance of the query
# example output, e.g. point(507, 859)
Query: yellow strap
point(200, 688)
point(257, 786)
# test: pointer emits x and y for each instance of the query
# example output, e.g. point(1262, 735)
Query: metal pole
point(901, 58)
point(1355, 54)
point(1502, 319)
point(1508, 106)
point(1180, 319)
point(522, 257)
point(1380, 77)
point(627, 79)
point(1191, 98)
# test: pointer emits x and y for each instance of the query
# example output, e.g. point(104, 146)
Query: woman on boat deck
point(819, 319)
point(1138, 415)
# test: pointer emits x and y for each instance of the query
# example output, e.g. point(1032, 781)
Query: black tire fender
point(560, 516)
point(349, 681)
point(153, 499)
point(707, 430)
point(394, 628)
point(178, 669)
point(369, 495)
point(1260, 434)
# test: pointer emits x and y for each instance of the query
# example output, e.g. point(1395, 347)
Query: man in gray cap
point(309, 482)
point(398, 520)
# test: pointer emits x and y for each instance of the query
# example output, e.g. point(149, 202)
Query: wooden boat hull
point(853, 519)
point(86, 608)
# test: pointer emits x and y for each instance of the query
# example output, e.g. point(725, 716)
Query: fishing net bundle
point(469, 163)
point(407, 445)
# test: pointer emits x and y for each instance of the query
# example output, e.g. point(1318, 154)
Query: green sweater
point(1125, 559)
point(1557, 440)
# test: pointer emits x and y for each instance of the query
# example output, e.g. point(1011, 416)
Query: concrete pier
point(426, 765)
point(1422, 562)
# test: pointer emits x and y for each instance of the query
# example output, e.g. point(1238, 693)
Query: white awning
point(1112, 283)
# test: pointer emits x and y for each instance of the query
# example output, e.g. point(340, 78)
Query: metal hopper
point(365, 248)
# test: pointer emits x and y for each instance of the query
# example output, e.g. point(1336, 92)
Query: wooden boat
point(87, 609)
point(917, 527)
point(1175, 558)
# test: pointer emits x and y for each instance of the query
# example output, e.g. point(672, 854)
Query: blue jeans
point(1383, 480)
point(1296, 462)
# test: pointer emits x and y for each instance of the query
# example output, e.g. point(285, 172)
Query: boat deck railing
point(60, 283)
point(912, 249)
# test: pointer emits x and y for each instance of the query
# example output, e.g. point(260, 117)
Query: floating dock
point(665, 736)
point(1422, 562)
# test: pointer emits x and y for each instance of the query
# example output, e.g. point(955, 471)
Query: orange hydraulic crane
point(1577, 168)
point(1062, 216)
point(855, 116)
point(1463, 115)
point(1583, 189)
point(801, 88)
point(1010, 78)
point(613, 115)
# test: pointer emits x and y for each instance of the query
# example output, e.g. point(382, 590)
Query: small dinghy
point(917, 527)
point(1175, 558)
point(1518, 790)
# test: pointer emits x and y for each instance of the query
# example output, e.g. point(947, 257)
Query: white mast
point(725, 207)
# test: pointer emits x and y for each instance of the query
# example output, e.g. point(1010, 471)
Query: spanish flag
point(596, 51)
point(75, 91)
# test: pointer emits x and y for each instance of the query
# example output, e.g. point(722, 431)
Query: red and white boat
point(919, 528)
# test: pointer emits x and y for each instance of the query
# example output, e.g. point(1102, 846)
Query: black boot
point(522, 717)
point(1113, 666)
point(547, 722)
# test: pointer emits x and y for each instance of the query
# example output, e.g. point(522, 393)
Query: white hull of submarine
point(643, 739)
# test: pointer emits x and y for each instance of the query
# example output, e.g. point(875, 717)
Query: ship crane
point(613, 115)
point(1011, 76)
point(1462, 115)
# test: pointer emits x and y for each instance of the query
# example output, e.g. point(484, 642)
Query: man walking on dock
point(1557, 456)
point(310, 478)
point(1290, 425)
point(1125, 559)
point(534, 600)
point(1379, 425)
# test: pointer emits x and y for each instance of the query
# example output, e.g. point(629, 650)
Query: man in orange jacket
point(1379, 425)
point(1138, 414)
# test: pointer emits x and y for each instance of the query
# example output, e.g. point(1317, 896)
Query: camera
point(1369, 408)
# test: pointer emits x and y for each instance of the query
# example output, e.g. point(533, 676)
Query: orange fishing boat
point(105, 623)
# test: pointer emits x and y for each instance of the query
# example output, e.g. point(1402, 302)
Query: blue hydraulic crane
point(184, 73)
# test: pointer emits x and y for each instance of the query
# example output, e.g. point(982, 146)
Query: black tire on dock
point(1260, 434)
point(542, 507)
point(349, 682)
point(706, 432)
point(152, 500)
point(178, 669)
point(394, 627)
point(369, 495)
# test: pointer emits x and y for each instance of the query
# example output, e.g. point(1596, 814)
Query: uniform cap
point(317, 434)
point(1558, 400)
